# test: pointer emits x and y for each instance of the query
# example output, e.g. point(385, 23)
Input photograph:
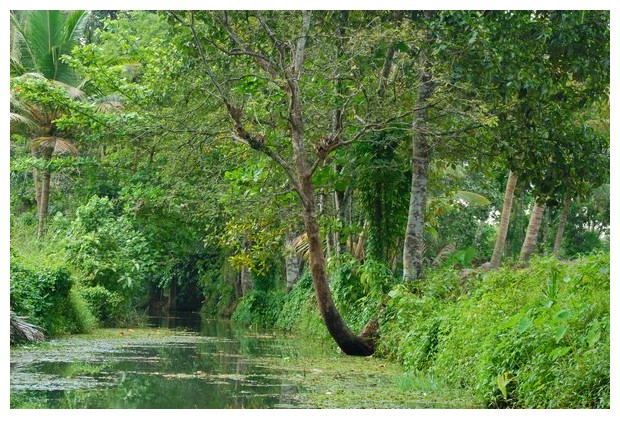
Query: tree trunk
point(245, 281)
point(36, 180)
point(292, 263)
point(300, 174)
point(172, 295)
point(504, 220)
point(339, 196)
point(562, 224)
point(44, 198)
point(545, 225)
point(322, 212)
point(340, 206)
point(348, 342)
point(414, 236)
point(529, 244)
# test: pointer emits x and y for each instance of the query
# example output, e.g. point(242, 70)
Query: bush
point(108, 306)
point(107, 252)
point(300, 311)
point(260, 307)
point(47, 298)
point(537, 337)
point(358, 288)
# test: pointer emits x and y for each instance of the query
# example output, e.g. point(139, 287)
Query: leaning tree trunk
point(529, 244)
point(413, 246)
point(562, 224)
point(348, 342)
point(504, 220)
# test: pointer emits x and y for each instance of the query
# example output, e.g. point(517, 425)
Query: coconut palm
point(39, 38)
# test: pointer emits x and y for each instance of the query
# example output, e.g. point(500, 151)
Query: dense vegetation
point(438, 181)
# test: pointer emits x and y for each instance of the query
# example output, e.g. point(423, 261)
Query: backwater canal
point(187, 362)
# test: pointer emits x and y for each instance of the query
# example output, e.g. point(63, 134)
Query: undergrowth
point(528, 338)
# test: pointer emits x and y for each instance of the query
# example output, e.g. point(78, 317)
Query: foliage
point(260, 307)
point(532, 338)
point(359, 288)
point(107, 252)
point(263, 303)
point(162, 201)
point(299, 311)
point(47, 297)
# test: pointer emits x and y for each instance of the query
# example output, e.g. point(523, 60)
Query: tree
point(413, 245)
point(284, 69)
point(541, 72)
point(39, 38)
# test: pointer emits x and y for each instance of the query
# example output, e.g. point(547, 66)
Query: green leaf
point(401, 47)
point(511, 322)
point(502, 382)
point(341, 185)
point(473, 198)
point(559, 333)
point(524, 324)
point(594, 334)
point(559, 352)
point(563, 314)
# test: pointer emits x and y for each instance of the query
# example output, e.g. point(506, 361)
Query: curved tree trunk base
point(349, 343)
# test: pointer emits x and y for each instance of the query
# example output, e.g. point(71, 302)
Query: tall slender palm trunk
point(561, 225)
point(36, 179)
point(529, 244)
point(44, 196)
point(504, 220)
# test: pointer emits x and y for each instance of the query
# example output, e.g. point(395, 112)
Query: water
point(208, 364)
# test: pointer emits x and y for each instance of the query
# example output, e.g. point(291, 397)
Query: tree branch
point(260, 59)
point(256, 142)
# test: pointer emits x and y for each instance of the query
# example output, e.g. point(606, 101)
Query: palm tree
point(502, 231)
point(39, 38)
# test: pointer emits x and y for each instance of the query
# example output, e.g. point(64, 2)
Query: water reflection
point(209, 364)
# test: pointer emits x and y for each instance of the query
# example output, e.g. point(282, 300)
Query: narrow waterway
point(184, 361)
point(203, 364)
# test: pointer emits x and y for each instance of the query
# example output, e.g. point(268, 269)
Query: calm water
point(206, 364)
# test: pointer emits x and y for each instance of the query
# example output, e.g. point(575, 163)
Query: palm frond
point(75, 24)
point(24, 120)
point(41, 37)
point(443, 253)
point(473, 198)
point(110, 103)
point(301, 246)
point(59, 145)
point(73, 92)
point(21, 330)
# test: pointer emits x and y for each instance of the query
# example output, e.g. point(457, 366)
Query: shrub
point(300, 311)
point(358, 288)
point(47, 298)
point(537, 337)
point(260, 307)
point(106, 251)
point(108, 306)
